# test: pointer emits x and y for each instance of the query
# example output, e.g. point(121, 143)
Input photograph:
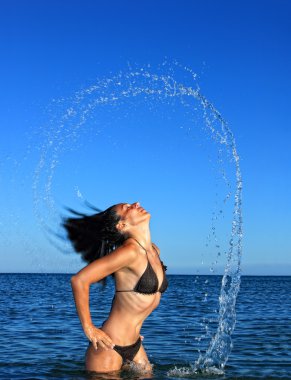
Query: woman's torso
point(130, 308)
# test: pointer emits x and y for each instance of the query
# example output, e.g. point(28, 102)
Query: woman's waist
point(122, 331)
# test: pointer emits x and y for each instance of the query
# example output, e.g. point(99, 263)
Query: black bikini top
point(148, 282)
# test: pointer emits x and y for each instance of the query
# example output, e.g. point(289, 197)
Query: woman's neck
point(142, 235)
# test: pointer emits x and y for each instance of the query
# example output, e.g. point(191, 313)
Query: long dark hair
point(94, 236)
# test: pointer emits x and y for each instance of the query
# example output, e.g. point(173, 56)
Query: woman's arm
point(121, 257)
point(81, 297)
point(95, 271)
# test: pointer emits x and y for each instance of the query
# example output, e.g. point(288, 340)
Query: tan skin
point(129, 309)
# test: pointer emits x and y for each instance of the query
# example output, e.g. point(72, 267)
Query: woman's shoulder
point(131, 245)
point(156, 248)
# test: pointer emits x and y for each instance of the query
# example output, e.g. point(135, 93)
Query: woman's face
point(132, 214)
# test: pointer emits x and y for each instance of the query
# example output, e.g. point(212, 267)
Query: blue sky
point(241, 53)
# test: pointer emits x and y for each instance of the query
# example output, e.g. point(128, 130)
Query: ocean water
point(41, 336)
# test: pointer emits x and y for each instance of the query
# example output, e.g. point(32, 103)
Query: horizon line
point(169, 274)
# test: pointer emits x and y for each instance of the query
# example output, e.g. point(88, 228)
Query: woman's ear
point(120, 226)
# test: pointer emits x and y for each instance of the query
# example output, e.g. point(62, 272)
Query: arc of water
point(221, 344)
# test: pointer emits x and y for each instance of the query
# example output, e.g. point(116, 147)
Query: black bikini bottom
point(128, 352)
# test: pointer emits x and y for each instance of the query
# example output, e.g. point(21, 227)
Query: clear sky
point(241, 53)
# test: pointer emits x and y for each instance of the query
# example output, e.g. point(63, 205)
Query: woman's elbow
point(78, 282)
point(75, 280)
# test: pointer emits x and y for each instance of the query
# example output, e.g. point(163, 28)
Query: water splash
point(194, 371)
point(151, 86)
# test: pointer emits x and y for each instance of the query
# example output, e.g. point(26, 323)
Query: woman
point(117, 242)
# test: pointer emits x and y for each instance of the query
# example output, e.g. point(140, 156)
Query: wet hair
point(94, 236)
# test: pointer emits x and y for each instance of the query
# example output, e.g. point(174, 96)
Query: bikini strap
point(145, 249)
point(155, 249)
point(140, 245)
point(131, 290)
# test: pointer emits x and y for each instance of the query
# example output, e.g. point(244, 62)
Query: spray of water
point(63, 133)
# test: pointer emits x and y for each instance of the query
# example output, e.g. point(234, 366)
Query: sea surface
point(41, 336)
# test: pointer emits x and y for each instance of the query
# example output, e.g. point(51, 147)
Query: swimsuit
point(128, 352)
point(148, 282)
